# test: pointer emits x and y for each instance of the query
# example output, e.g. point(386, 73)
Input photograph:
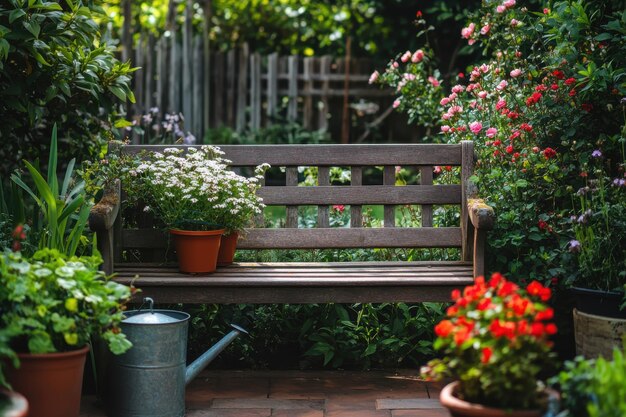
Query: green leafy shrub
point(54, 303)
point(336, 336)
point(593, 388)
point(55, 68)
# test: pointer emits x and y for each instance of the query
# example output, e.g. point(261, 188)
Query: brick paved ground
point(305, 394)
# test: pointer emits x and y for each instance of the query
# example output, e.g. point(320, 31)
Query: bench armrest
point(481, 215)
point(102, 216)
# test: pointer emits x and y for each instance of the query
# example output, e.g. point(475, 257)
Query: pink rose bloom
point(444, 101)
point(515, 22)
point(396, 103)
point(484, 68)
point(435, 82)
point(516, 73)
point(409, 77)
point(455, 109)
point(475, 127)
point(502, 85)
point(374, 77)
point(471, 41)
point(482, 94)
point(467, 32)
point(417, 56)
point(500, 9)
point(491, 132)
point(485, 30)
point(437, 169)
point(445, 128)
point(446, 116)
point(508, 3)
point(500, 104)
point(406, 56)
point(458, 88)
point(452, 96)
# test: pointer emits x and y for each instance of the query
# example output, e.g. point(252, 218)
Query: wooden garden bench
point(344, 282)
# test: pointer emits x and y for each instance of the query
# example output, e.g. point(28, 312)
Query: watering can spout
point(207, 357)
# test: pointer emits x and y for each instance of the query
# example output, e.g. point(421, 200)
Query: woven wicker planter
point(597, 335)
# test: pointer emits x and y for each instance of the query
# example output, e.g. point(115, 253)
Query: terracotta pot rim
point(54, 355)
point(197, 232)
point(448, 399)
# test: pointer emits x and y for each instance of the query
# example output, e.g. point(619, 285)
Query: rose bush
point(547, 96)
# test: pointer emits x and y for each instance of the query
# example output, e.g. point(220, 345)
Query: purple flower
point(596, 154)
point(574, 246)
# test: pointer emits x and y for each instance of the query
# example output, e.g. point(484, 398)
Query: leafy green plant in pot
point(495, 345)
point(198, 198)
point(599, 227)
point(593, 388)
point(599, 250)
point(51, 305)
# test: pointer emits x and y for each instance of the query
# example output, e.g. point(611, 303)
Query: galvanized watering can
point(149, 379)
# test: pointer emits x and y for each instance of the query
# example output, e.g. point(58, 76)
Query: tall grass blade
point(77, 231)
point(68, 177)
point(52, 163)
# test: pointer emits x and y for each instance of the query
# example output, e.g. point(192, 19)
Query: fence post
point(242, 89)
point(187, 94)
point(255, 91)
point(196, 128)
point(323, 108)
point(232, 88)
point(272, 85)
point(307, 92)
point(292, 109)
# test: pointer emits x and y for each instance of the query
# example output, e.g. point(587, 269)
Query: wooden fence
point(243, 89)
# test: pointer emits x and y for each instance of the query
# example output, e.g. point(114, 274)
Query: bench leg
point(479, 252)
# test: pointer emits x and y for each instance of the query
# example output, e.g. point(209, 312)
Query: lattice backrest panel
point(357, 158)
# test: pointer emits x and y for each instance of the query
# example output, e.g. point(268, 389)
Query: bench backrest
point(357, 158)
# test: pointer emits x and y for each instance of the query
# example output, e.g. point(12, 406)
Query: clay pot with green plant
point(51, 305)
point(495, 342)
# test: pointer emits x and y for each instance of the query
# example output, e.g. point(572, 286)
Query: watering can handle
point(150, 302)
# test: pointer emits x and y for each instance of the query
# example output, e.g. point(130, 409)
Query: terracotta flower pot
point(227, 249)
point(51, 382)
point(13, 404)
point(460, 408)
point(197, 250)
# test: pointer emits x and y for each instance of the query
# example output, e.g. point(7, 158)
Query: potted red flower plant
point(495, 341)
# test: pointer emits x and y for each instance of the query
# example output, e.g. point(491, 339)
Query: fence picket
point(272, 85)
point(242, 87)
point(292, 109)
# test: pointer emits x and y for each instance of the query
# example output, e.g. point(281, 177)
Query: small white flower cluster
point(197, 190)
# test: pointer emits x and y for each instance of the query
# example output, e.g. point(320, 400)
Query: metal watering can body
point(149, 379)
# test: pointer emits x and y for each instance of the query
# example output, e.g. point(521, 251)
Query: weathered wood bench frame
point(322, 282)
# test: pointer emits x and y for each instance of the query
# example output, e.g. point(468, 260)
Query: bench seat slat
point(332, 155)
point(334, 238)
point(240, 283)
